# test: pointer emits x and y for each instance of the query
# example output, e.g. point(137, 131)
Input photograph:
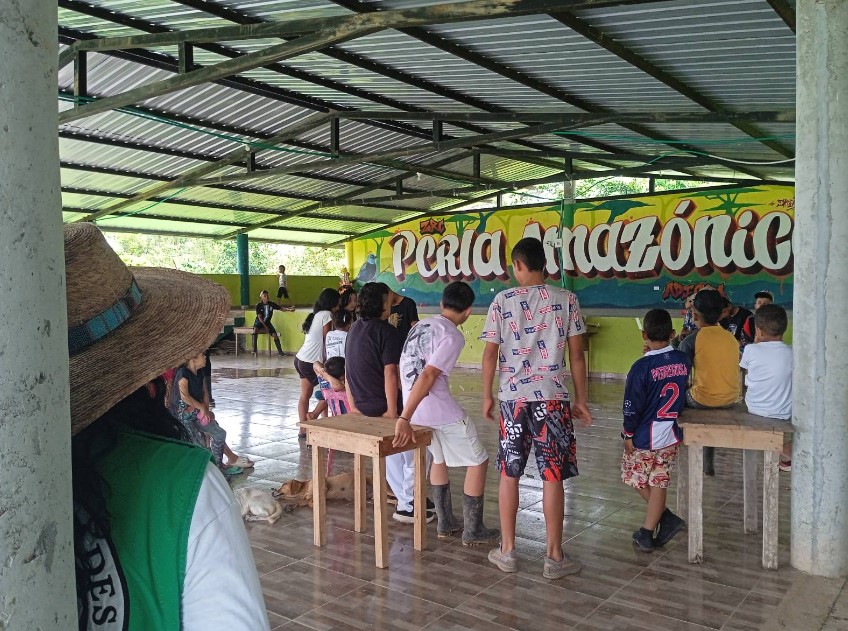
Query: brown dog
point(299, 492)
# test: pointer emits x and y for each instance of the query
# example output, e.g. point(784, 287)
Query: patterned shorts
point(544, 425)
point(644, 468)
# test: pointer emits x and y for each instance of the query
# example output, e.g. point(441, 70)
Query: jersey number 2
point(675, 392)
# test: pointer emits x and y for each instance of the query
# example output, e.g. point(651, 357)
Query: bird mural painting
point(368, 271)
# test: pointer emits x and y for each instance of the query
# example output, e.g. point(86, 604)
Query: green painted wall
point(615, 343)
point(303, 290)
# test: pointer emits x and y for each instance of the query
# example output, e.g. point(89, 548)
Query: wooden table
point(365, 436)
point(735, 428)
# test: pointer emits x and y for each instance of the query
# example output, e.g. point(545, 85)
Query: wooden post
point(420, 499)
point(770, 504)
point(359, 493)
point(696, 498)
point(683, 481)
point(750, 458)
point(319, 497)
point(381, 535)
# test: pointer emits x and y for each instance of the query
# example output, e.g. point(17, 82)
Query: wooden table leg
point(359, 493)
point(420, 502)
point(696, 498)
point(319, 497)
point(770, 502)
point(683, 481)
point(381, 534)
point(750, 459)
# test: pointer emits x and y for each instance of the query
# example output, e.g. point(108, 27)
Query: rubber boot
point(448, 525)
point(277, 344)
point(254, 343)
point(475, 533)
point(709, 461)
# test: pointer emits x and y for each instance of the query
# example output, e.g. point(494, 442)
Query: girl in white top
point(337, 338)
point(316, 326)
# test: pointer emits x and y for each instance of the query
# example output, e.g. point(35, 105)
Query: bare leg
point(508, 507)
point(230, 454)
point(439, 474)
point(644, 493)
point(553, 503)
point(475, 479)
point(303, 402)
point(656, 507)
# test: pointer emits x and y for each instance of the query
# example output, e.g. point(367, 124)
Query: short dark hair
point(771, 319)
point(342, 318)
point(657, 325)
point(725, 301)
point(335, 367)
point(263, 292)
point(763, 294)
point(457, 296)
point(531, 252)
point(369, 303)
point(709, 303)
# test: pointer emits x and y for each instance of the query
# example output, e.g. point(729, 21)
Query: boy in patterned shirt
point(527, 331)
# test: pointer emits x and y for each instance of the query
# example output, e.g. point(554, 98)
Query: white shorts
point(457, 445)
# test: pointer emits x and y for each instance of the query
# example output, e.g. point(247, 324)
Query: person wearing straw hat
point(157, 531)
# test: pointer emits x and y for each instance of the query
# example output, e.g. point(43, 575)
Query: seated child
point(429, 355)
point(761, 298)
point(331, 378)
point(652, 401)
point(714, 354)
point(768, 366)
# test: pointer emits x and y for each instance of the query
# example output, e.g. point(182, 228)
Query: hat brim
point(179, 317)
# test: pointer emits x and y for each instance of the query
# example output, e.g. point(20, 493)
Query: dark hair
point(142, 410)
point(725, 301)
point(264, 291)
point(531, 252)
point(657, 325)
point(335, 367)
point(344, 298)
point(763, 294)
point(328, 300)
point(709, 303)
point(457, 296)
point(771, 319)
point(370, 300)
point(342, 318)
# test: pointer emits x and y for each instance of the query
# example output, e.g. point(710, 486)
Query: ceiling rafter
point(786, 12)
point(194, 235)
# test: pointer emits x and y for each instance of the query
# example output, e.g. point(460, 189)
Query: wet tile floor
point(449, 587)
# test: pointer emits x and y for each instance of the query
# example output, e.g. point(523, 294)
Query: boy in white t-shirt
point(768, 362)
point(429, 354)
point(283, 290)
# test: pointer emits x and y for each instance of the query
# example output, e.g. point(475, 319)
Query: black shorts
point(282, 292)
point(544, 425)
point(259, 328)
point(305, 370)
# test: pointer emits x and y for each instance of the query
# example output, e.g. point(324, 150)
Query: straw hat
point(128, 326)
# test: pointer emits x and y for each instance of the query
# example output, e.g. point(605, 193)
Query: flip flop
point(228, 471)
point(243, 462)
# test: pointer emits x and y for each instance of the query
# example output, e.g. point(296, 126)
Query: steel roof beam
point(610, 44)
point(786, 12)
point(193, 235)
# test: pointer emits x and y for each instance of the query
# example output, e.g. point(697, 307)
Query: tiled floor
point(452, 588)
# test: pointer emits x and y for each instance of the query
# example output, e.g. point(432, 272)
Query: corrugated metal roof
point(737, 53)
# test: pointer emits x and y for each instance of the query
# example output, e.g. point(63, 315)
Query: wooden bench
point(248, 330)
point(733, 428)
point(365, 436)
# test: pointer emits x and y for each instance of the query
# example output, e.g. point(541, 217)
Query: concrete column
point(820, 386)
point(243, 262)
point(36, 551)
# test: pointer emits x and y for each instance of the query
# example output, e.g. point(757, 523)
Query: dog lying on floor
point(258, 504)
point(296, 493)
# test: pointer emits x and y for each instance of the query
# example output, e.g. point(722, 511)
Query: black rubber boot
point(475, 533)
point(448, 525)
point(277, 344)
point(709, 461)
point(254, 343)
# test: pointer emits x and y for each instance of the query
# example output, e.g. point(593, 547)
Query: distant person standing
point(283, 291)
point(404, 314)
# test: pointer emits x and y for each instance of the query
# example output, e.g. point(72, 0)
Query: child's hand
point(628, 446)
point(403, 433)
point(489, 408)
point(580, 411)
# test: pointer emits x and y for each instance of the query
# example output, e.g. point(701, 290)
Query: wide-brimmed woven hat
point(127, 326)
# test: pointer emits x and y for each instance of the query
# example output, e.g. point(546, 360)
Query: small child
point(429, 355)
point(336, 340)
point(652, 402)
point(283, 291)
point(714, 354)
point(761, 298)
point(768, 366)
point(331, 378)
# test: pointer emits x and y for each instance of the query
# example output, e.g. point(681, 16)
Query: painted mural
point(635, 252)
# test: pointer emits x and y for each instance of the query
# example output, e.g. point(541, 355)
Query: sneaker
point(670, 525)
point(557, 569)
point(785, 465)
point(643, 541)
point(505, 561)
point(408, 516)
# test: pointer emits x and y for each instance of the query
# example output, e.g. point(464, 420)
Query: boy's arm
point(490, 362)
point(577, 363)
point(390, 380)
point(350, 400)
point(420, 389)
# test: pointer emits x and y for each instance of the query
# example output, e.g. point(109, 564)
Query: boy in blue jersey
point(653, 397)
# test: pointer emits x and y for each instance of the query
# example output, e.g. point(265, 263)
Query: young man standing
point(527, 331)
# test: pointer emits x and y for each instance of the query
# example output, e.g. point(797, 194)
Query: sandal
point(230, 471)
point(243, 462)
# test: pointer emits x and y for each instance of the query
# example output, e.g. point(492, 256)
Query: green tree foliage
point(207, 256)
